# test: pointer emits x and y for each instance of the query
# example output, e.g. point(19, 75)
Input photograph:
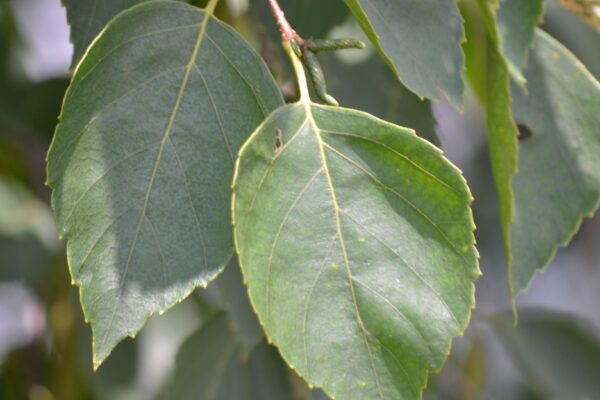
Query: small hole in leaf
point(524, 133)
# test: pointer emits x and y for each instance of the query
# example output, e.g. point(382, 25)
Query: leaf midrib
point(309, 119)
point(398, 195)
point(208, 12)
point(340, 235)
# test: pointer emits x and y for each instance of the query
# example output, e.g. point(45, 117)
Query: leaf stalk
point(299, 71)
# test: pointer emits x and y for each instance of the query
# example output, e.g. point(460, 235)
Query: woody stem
point(287, 32)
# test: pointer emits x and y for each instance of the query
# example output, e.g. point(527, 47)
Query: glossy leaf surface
point(558, 183)
point(142, 160)
point(209, 365)
point(355, 240)
point(420, 40)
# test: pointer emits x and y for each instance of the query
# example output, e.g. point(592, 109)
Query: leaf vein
point(307, 302)
point(217, 113)
point(105, 107)
point(104, 174)
point(252, 89)
point(400, 313)
point(272, 164)
point(397, 153)
point(417, 274)
point(167, 133)
point(343, 245)
point(162, 256)
point(276, 239)
point(193, 207)
point(130, 40)
point(408, 379)
point(401, 197)
point(104, 232)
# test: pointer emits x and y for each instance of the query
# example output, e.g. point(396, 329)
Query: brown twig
point(287, 32)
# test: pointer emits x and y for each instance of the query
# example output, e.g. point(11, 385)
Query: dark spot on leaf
point(525, 133)
point(278, 140)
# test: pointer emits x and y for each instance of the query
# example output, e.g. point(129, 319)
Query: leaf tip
point(96, 362)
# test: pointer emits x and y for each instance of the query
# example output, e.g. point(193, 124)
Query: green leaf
point(474, 47)
point(495, 92)
point(420, 40)
point(533, 233)
point(141, 162)
point(380, 94)
point(355, 240)
point(209, 366)
point(516, 21)
point(558, 353)
point(558, 182)
point(88, 17)
point(239, 310)
point(502, 135)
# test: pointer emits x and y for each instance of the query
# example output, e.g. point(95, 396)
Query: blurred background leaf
point(210, 366)
point(370, 86)
point(587, 10)
point(243, 320)
point(558, 353)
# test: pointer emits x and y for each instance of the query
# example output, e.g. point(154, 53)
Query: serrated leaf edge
point(374, 37)
point(304, 103)
point(586, 213)
point(208, 13)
